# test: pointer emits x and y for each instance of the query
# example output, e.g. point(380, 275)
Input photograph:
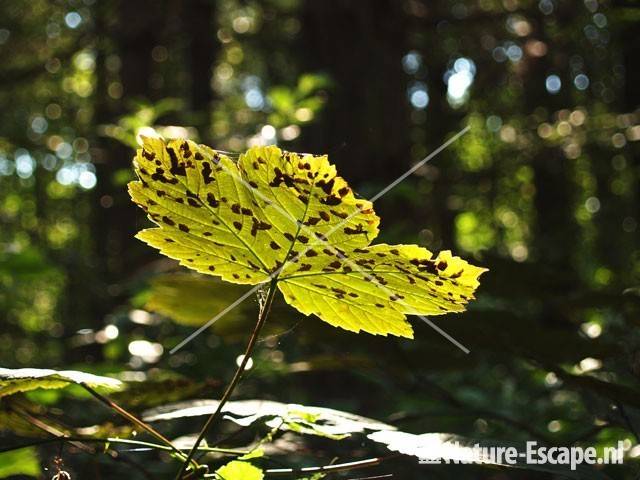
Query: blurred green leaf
point(193, 299)
point(20, 462)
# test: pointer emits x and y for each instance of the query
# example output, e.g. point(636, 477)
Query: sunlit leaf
point(25, 379)
point(303, 419)
point(290, 216)
point(255, 453)
point(237, 470)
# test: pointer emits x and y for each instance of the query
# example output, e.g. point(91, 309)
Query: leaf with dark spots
point(290, 202)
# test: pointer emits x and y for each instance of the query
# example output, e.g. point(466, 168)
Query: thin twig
point(135, 420)
point(125, 441)
point(215, 417)
point(51, 430)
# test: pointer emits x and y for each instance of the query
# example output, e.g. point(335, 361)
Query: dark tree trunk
point(556, 231)
point(113, 219)
point(202, 50)
point(365, 123)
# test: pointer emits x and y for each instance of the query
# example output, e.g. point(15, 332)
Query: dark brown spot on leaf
point(177, 168)
point(354, 231)
point(458, 274)
point(206, 172)
point(331, 200)
point(211, 200)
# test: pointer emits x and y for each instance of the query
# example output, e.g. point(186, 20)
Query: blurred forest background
point(543, 190)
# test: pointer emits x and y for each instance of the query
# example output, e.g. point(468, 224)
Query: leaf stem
point(127, 441)
point(214, 418)
point(135, 420)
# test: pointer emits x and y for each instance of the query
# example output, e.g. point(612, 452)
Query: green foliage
point(25, 379)
point(299, 104)
point(288, 216)
point(143, 114)
point(543, 190)
point(20, 462)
